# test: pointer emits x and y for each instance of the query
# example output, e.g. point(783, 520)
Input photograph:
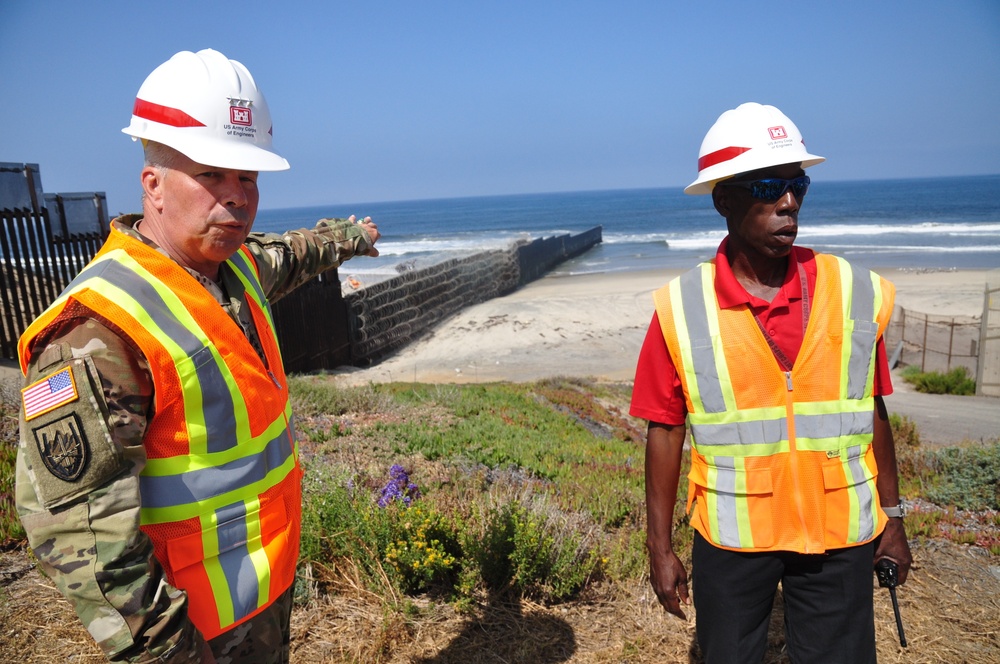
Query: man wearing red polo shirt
point(773, 356)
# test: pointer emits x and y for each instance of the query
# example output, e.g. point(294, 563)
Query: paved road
point(945, 419)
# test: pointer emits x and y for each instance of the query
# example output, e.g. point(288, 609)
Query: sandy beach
point(588, 326)
point(593, 325)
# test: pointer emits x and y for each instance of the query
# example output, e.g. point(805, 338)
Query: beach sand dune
point(593, 326)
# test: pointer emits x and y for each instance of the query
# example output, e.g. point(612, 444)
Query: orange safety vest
point(781, 460)
point(221, 488)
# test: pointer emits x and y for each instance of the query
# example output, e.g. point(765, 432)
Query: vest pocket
point(233, 533)
point(850, 498)
point(847, 470)
point(735, 503)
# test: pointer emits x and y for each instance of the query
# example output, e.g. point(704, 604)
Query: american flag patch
point(49, 393)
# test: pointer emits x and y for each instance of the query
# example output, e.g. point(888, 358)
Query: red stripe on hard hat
point(174, 117)
point(719, 156)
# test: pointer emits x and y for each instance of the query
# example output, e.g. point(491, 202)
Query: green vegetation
point(525, 490)
point(965, 477)
point(954, 491)
point(518, 490)
point(11, 532)
point(956, 381)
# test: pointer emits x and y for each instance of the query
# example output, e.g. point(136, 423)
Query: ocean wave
point(434, 245)
point(923, 228)
point(916, 249)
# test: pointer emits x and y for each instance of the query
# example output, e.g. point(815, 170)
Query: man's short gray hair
point(160, 156)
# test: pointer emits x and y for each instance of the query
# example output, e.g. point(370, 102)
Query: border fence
point(46, 239)
point(988, 376)
point(933, 342)
point(939, 343)
point(321, 328)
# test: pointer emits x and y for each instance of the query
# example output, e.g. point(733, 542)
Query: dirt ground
point(950, 609)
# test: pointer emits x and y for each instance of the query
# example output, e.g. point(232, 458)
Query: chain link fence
point(988, 376)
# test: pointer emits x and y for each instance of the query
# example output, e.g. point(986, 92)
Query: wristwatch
point(897, 512)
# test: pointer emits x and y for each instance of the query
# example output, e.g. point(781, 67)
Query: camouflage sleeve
point(291, 259)
point(78, 463)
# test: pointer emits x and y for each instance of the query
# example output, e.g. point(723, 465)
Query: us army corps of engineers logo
point(63, 447)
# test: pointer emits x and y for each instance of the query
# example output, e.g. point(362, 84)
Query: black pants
point(829, 616)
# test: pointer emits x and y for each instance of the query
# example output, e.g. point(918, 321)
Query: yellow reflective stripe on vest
point(212, 425)
point(715, 419)
point(183, 495)
point(862, 298)
point(729, 518)
point(863, 513)
point(726, 436)
point(235, 561)
point(823, 426)
point(701, 345)
point(244, 269)
point(749, 432)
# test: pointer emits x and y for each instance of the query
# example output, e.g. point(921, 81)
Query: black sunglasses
point(771, 189)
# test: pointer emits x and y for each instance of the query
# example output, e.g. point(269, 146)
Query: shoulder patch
point(63, 447)
point(67, 442)
point(49, 393)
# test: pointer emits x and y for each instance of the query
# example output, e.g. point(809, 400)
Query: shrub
point(11, 532)
point(313, 396)
point(966, 477)
point(337, 524)
point(904, 431)
point(425, 554)
point(531, 550)
point(415, 547)
point(956, 381)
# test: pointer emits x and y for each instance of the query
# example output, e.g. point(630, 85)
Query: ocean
point(924, 224)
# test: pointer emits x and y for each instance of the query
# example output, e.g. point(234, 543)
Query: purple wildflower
point(399, 487)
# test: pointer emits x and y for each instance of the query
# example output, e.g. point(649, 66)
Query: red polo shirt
point(657, 395)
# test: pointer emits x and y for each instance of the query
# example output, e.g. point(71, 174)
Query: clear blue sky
point(394, 100)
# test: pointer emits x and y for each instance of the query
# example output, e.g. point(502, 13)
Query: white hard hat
point(208, 108)
point(746, 138)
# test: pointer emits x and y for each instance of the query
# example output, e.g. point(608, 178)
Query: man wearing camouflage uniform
point(157, 475)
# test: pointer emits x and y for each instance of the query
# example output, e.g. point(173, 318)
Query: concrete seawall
point(391, 313)
point(324, 324)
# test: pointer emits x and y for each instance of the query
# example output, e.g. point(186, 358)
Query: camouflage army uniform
point(88, 540)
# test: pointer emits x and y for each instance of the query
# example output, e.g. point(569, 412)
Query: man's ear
point(152, 186)
point(721, 200)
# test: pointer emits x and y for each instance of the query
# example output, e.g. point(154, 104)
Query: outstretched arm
point(286, 261)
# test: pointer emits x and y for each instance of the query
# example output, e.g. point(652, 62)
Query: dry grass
point(950, 608)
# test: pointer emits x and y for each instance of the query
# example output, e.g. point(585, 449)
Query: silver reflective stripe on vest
point(219, 412)
point(702, 351)
point(862, 312)
point(834, 425)
point(754, 432)
point(866, 523)
point(241, 263)
point(197, 485)
point(235, 560)
point(725, 496)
